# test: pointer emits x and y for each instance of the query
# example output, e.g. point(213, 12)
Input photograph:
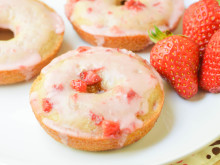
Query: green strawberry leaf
point(158, 35)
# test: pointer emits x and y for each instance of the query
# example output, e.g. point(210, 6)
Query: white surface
point(183, 127)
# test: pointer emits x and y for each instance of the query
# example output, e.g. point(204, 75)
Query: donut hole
point(6, 34)
point(120, 2)
point(95, 88)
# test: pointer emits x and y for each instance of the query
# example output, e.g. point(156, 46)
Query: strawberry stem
point(218, 2)
point(158, 35)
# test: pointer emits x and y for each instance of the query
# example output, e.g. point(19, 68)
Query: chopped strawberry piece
point(96, 118)
point(58, 87)
point(108, 50)
point(111, 128)
point(83, 49)
point(134, 5)
point(156, 4)
point(126, 130)
point(90, 77)
point(22, 67)
point(116, 29)
point(79, 85)
point(98, 69)
point(119, 50)
point(140, 113)
point(75, 97)
point(131, 56)
point(89, 10)
point(47, 105)
point(180, 161)
point(131, 95)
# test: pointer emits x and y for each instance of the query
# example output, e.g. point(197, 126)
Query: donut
point(96, 98)
point(122, 23)
point(38, 35)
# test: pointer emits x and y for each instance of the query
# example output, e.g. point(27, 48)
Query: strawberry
point(90, 77)
point(79, 85)
point(111, 128)
point(176, 58)
point(96, 118)
point(47, 105)
point(201, 20)
point(210, 69)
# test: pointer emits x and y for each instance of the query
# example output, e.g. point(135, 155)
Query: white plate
point(183, 127)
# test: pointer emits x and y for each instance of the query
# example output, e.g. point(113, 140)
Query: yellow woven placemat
point(208, 156)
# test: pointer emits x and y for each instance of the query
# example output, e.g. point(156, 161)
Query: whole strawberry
point(176, 58)
point(201, 20)
point(210, 69)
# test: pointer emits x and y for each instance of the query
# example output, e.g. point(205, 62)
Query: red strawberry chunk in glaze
point(96, 118)
point(79, 85)
point(90, 77)
point(156, 4)
point(131, 95)
point(83, 49)
point(89, 10)
point(116, 30)
point(75, 97)
point(111, 128)
point(47, 105)
point(139, 113)
point(134, 5)
point(98, 69)
point(58, 87)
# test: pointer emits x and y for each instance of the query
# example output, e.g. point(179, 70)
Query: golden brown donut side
point(15, 76)
point(134, 43)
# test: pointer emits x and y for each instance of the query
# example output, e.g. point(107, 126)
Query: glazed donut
point(96, 98)
point(122, 23)
point(38, 34)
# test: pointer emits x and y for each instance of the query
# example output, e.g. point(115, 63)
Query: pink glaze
point(99, 40)
point(177, 13)
point(69, 7)
point(31, 60)
point(156, 4)
point(126, 81)
point(36, 102)
point(58, 23)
